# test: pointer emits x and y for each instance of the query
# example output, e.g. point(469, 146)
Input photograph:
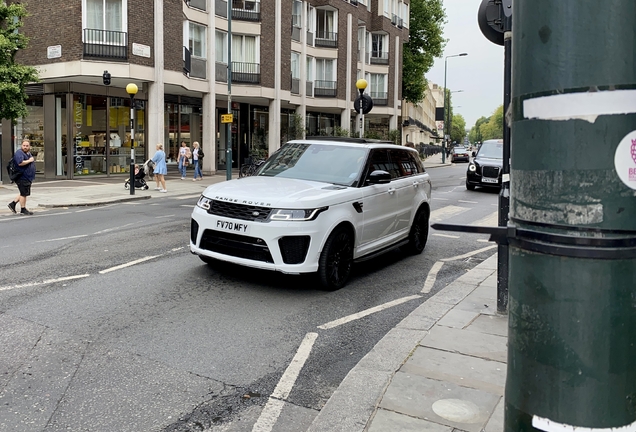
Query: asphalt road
point(108, 323)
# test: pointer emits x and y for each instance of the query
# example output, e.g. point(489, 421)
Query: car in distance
point(459, 153)
point(317, 206)
point(485, 169)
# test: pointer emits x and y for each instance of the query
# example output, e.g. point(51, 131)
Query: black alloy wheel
point(418, 236)
point(336, 259)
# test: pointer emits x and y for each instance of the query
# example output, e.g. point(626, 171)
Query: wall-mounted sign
point(226, 118)
point(54, 51)
point(141, 50)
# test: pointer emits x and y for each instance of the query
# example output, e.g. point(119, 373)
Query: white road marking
point(140, 260)
point(94, 208)
point(45, 282)
point(184, 197)
point(275, 404)
point(446, 235)
point(441, 199)
point(367, 312)
point(447, 212)
point(166, 216)
point(490, 220)
point(551, 426)
point(469, 254)
point(62, 238)
point(462, 178)
point(37, 214)
point(187, 205)
point(483, 241)
point(432, 277)
point(114, 228)
point(469, 202)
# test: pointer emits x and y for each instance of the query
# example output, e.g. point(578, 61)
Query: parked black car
point(460, 153)
point(485, 169)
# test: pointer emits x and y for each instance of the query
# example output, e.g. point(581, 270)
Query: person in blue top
point(25, 163)
point(161, 169)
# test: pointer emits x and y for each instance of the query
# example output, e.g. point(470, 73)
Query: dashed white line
point(94, 208)
point(446, 235)
point(441, 199)
point(62, 238)
point(367, 312)
point(119, 267)
point(483, 241)
point(166, 216)
point(469, 202)
point(45, 282)
point(469, 254)
point(432, 277)
point(275, 404)
point(113, 229)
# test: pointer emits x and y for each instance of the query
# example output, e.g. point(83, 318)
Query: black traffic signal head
point(106, 78)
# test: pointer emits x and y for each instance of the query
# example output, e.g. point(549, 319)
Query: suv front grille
point(236, 245)
point(492, 172)
point(239, 211)
point(293, 249)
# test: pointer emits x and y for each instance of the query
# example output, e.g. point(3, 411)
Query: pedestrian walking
point(197, 158)
point(25, 163)
point(161, 169)
point(184, 159)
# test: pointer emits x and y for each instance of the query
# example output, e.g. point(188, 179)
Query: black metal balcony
point(380, 98)
point(249, 73)
point(106, 44)
point(246, 10)
point(354, 2)
point(327, 39)
point(394, 19)
point(380, 57)
point(325, 88)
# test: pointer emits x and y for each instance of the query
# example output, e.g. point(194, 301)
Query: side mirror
point(379, 177)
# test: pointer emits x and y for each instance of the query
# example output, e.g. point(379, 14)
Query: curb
point(354, 402)
point(91, 204)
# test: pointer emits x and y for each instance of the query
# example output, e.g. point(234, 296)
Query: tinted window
point(405, 163)
point(379, 160)
point(491, 149)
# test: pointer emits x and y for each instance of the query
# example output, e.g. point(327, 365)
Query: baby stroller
point(140, 183)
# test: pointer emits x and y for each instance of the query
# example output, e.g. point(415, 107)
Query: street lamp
point(131, 89)
point(361, 84)
point(445, 104)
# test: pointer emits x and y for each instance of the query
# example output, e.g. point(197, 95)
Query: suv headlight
point(472, 167)
point(204, 203)
point(295, 215)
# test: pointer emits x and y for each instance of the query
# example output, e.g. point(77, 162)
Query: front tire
point(470, 187)
point(336, 259)
point(418, 236)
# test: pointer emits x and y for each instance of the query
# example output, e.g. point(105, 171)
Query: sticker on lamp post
point(625, 160)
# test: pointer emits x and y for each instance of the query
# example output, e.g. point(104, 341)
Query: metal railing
point(394, 19)
point(327, 39)
point(199, 67)
point(325, 88)
point(187, 61)
point(310, 38)
point(380, 98)
point(379, 57)
point(309, 88)
point(220, 8)
point(297, 21)
point(197, 4)
point(400, 23)
point(105, 44)
point(354, 2)
point(295, 86)
point(295, 33)
point(246, 10)
point(220, 72)
point(249, 73)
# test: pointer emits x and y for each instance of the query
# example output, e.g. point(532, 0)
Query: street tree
point(475, 134)
point(493, 129)
point(13, 76)
point(426, 42)
point(458, 128)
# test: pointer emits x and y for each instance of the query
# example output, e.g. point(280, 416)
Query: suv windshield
point(339, 165)
point(492, 150)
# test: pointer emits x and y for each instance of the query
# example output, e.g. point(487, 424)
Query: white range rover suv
point(317, 205)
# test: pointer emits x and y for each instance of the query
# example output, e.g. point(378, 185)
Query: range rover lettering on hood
point(246, 202)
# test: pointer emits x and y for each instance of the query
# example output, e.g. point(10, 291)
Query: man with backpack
point(25, 164)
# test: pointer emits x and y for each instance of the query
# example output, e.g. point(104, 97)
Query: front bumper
point(476, 179)
point(288, 247)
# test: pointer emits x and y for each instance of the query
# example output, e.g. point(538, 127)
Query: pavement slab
point(467, 342)
point(391, 421)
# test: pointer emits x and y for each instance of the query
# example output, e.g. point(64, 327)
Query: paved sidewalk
point(435, 161)
point(442, 368)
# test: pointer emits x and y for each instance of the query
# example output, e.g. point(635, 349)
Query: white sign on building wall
point(141, 50)
point(54, 51)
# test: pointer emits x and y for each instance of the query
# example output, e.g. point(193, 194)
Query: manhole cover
point(457, 410)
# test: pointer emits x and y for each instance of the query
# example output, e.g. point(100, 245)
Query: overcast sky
point(480, 74)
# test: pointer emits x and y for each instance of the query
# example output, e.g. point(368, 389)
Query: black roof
point(349, 140)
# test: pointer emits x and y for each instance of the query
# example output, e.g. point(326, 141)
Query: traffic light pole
point(572, 230)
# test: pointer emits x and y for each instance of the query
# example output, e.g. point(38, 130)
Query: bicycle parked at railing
point(250, 168)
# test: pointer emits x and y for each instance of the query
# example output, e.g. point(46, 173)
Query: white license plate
point(488, 180)
point(234, 227)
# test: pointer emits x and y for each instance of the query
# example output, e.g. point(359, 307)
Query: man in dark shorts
point(26, 166)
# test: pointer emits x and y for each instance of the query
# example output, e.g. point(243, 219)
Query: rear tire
point(336, 259)
point(418, 236)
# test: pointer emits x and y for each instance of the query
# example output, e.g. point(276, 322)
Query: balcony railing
point(220, 8)
point(106, 44)
point(220, 72)
point(354, 2)
point(327, 39)
point(400, 23)
point(295, 86)
point(245, 10)
point(295, 33)
point(249, 73)
point(197, 4)
point(309, 88)
point(187, 61)
point(380, 98)
point(297, 20)
point(394, 19)
point(310, 38)
point(199, 66)
point(325, 88)
point(379, 57)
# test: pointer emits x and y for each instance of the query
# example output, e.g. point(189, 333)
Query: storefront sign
point(226, 118)
point(54, 51)
point(141, 50)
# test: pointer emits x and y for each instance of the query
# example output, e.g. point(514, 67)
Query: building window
point(295, 65)
point(221, 46)
point(325, 69)
point(106, 21)
point(297, 9)
point(378, 88)
point(196, 39)
point(244, 49)
point(325, 23)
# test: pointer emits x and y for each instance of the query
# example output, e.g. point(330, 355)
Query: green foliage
point(372, 134)
point(493, 129)
point(395, 136)
point(475, 134)
point(458, 129)
point(296, 127)
point(338, 131)
point(13, 77)
point(426, 42)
